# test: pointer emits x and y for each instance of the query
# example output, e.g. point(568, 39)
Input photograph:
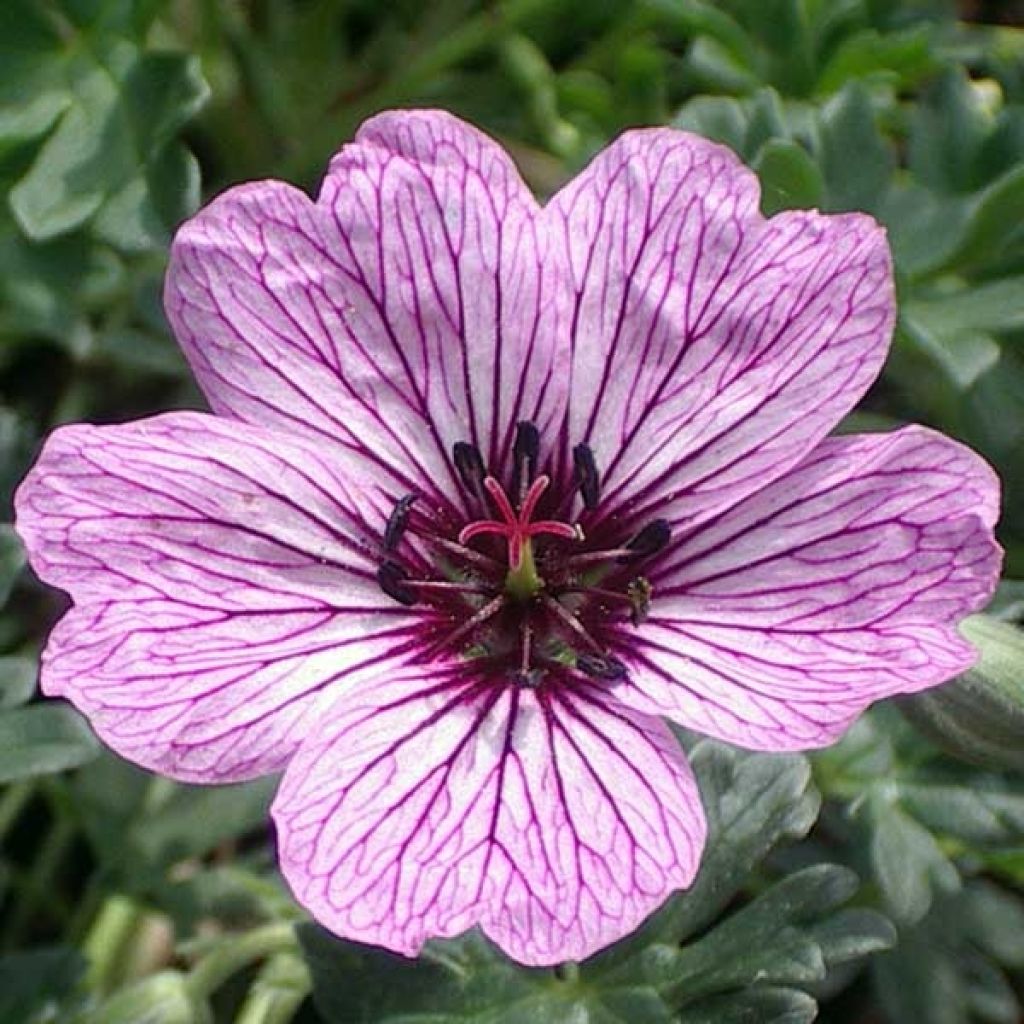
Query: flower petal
point(555, 820)
point(400, 313)
point(777, 623)
point(223, 578)
point(711, 348)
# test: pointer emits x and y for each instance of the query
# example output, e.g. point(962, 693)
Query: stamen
point(394, 580)
point(526, 676)
point(448, 586)
point(397, 522)
point(568, 619)
point(590, 557)
point(604, 667)
point(649, 541)
point(637, 595)
point(488, 611)
point(470, 465)
point(524, 456)
point(587, 476)
point(461, 551)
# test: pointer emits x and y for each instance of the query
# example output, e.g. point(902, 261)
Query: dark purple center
point(524, 593)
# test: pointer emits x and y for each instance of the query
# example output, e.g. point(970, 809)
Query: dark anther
point(391, 577)
point(524, 455)
point(601, 667)
point(649, 541)
point(396, 522)
point(530, 679)
point(639, 590)
point(587, 477)
point(470, 464)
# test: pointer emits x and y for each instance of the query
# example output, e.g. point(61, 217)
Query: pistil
point(518, 529)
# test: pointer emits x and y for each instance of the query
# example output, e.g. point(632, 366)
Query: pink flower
point(487, 490)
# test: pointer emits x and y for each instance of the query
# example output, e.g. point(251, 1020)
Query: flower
point(488, 489)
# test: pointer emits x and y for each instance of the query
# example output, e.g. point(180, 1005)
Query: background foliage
point(878, 881)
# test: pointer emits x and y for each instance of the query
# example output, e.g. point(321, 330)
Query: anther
point(524, 457)
point(470, 465)
point(392, 579)
point(649, 541)
point(603, 667)
point(639, 591)
point(397, 522)
point(587, 476)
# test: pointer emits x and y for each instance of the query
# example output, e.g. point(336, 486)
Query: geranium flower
point(488, 489)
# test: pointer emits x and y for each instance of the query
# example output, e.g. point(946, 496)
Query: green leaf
point(863, 755)
point(461, 981)
point(993, 223)
point(753, 802)
point(718, 118)
point(12, 560)
point(972, 813)
point(758, 1006)
point(113, 151)
point(1008, 603)
point(964, 357)
point(907, 862)
point(944, 970)
point(856, 162)
point(993, 919)
point(762, 943)
point(947, 130)
point(37, 979)
point(41, 739)
point(787, 938)
point(852, 934)
point(33, 91)
point(789, 177)
point(704, 20)
point(925, 227)
point(919, 981)
point(17, 680)
point(904, 57)
point(992, 306)
point(196, 819)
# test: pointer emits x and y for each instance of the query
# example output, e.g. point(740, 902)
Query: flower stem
point(237, 952)
point(278, 991)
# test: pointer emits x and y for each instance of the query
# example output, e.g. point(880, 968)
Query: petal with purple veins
point(223, 578)
point(400, 313)
point(711, 348)
point(556, 820)
point(774, 625)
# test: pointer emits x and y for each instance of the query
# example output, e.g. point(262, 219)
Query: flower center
point(522, 593)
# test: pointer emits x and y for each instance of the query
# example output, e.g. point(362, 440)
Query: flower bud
point(979, 716)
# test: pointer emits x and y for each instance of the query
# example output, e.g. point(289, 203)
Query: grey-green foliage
point(926, 830)
point(760, 959)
